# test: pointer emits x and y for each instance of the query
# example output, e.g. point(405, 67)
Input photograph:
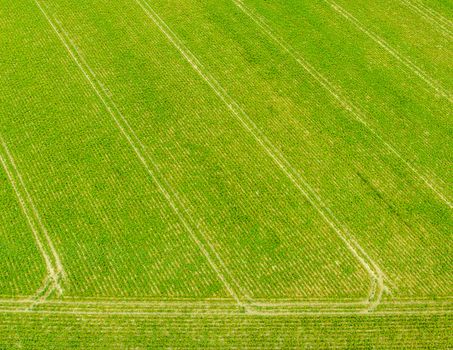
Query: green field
point(226, 174)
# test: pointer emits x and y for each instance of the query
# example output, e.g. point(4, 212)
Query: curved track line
point(57, 260)
point(40, 233)
point(38, 294)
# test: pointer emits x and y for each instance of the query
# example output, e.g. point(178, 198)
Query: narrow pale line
point(136, 139)
point(140, 156)
point(352, 313)
point(124, 304)
point(134, 309)
point(201, 302)
point(143, 298)
point(59, 265)
point(435, 85)
point(124, 313)
point(432, 20)
point(356, 112)
point(301, 303)
point(349, 106)
point(433, 13)
point(143, 304)
point(196, 313)
point(272, 151)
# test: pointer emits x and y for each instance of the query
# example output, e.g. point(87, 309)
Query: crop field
point(226, 174)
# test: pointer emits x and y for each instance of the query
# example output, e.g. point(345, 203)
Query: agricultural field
point(226, 174)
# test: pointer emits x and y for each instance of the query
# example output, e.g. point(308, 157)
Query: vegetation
point(233, 168)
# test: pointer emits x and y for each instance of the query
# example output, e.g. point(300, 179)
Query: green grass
point(214, 166)
point(244, 332)
point(22, 266)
